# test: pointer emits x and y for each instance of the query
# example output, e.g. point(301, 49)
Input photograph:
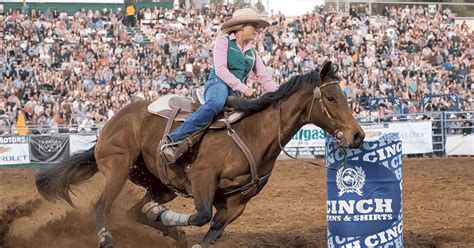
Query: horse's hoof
point(106, 240)
point(106, 244)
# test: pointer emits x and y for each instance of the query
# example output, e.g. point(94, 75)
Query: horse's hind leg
point(227, 211)
point(115, 171)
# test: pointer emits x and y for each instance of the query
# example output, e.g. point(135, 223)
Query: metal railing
point(46, 129)
point(443, 125)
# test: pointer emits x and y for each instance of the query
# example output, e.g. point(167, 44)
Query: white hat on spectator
point(241, 17)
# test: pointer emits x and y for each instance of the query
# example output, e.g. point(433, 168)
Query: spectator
point(52, 65)
point(25, 9)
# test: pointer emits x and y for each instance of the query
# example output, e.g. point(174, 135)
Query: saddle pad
point(161, 104)
point(186, 104)
point(219, 123)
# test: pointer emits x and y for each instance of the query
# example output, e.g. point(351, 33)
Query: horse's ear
point(326, 70)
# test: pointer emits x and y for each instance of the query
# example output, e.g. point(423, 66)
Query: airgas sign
point(364, 206)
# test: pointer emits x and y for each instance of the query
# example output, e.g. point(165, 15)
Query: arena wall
point(73, 6)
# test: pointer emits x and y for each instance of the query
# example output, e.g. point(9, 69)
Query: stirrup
point(173, 147)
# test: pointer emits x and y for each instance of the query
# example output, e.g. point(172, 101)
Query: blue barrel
point(364, 193)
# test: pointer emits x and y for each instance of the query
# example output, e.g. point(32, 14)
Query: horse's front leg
point(204, 184)
point(227, 211)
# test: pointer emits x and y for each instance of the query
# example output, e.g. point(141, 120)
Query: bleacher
point(132, 31)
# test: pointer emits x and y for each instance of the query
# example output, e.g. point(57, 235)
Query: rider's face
point(249, 32)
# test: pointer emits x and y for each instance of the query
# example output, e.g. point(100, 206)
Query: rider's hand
point(249, 92)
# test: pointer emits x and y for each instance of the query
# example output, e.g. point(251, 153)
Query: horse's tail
point(55, 183)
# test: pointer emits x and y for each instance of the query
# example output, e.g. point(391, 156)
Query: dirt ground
point(438, 205)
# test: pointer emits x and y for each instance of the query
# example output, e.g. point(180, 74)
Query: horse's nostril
point(359, 137)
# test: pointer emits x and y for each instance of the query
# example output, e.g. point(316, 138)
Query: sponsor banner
point(309, 141)
point(303, 152)
point(14, 150)
point(49, 148)
point(415, 136)
point(460, 144)
point(364, 204)
point(308, 136)
point(81, 143)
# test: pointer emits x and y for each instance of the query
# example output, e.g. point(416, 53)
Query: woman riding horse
point(126, 149)
point(234, 59)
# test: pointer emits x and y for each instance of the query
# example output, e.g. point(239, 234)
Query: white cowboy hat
point(243, 16)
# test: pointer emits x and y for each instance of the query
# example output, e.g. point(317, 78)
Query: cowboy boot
point(172, 151)
point(169, 151)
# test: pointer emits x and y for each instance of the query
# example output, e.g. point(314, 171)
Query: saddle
point(165, 106)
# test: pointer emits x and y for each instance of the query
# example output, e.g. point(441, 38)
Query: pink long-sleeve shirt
point(220, 66)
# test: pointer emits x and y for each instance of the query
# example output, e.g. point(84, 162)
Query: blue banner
point(455, 99)
point(364, 205)
point(374, 102)
point(397, 101)
point(426, 100)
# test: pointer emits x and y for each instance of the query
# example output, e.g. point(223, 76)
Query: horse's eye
point(331, 98)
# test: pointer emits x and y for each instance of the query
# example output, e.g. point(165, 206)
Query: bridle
point(316, 95)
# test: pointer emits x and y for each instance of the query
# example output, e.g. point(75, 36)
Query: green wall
point(72, 8)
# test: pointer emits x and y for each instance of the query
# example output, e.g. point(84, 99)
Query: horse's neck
point(285, 122)
point(292, 119)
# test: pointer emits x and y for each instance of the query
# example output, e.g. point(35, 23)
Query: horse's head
point(329, 109)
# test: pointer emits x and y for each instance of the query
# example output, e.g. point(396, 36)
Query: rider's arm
point(262, 76)
point(220, 65)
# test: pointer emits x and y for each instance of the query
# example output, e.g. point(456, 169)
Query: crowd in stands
point(80, 70)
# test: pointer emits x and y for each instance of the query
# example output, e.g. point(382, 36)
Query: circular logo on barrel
point(350, 181)
point(363, 198)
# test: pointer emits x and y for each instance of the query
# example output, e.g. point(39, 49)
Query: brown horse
point(127, 148)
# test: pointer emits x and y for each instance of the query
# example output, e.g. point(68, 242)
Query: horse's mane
point(250, 106)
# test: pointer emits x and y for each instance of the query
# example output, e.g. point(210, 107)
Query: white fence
point(438, 134)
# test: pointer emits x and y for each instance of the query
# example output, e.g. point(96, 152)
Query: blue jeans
point(215, 94)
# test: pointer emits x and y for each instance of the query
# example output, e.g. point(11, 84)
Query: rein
point(317, 95)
